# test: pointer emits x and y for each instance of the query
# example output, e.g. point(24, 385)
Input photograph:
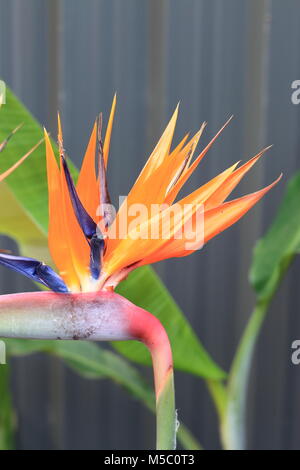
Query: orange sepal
point(122, 248)
point(145, 238)
point(231, 182)
point(225, 215)
point(106, 144)
point(157, 157)
point(87, 187)
point(196, 201)
point(202, 194)
point(142, 191)
point(171, 196)
point(57, 234)
point(216, 221)
point(177, 163)
point(79, 247)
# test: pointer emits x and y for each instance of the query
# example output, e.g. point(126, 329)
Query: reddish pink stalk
point(102, 316)
point(148, 329)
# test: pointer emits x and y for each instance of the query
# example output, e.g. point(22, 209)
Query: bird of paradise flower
point(91, 260)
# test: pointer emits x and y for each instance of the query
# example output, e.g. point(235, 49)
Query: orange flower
point(93, 250)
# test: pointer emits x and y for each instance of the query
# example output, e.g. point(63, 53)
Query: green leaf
point(7, 420)
point(25, 194)
point(272, 257)
point(93, 362)
point(275, 250)
point(88, 360)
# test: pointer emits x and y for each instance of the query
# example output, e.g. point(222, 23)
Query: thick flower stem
point(150, 331)
point(102, 316)
point(166, 423)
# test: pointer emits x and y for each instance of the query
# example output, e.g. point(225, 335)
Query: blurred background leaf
point(7, 416)
point(275, 251)
point(90, 361)
point(272, 257)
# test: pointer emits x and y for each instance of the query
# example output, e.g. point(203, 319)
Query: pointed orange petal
point(158, 155)
point(18, 163)
point(57, 236)
point(106, 144)
point(59, 129)
point(231, 182)
point(176, 166)
point(177, 246)
point(196, 200)
point(87, 186)
point(140, 190)
point(146, 238)
point(155, 186)
point(188, 172)
point(79, 248)
point(222, 217)
point(215, 221)
point(197, 197)
point(179, 146)
point(200, 195)
point(162, 149)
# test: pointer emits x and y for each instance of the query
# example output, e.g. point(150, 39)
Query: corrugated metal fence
point(219, 58)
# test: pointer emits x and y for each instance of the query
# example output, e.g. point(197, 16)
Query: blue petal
point(51, 278)
point(85, 221)
point(108, 215)
point(97, 248)
point(35, 270)
point(88, 226)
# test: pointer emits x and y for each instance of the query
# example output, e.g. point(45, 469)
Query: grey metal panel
point(276, 380)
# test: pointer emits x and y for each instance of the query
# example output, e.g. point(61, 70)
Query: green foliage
point(272, 257)
point(88, 360)
point(274, 252)
point(6, 411)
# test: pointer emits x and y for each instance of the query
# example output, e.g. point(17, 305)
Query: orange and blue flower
point(81, 239)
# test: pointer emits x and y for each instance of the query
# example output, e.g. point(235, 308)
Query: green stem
point(154, 336)
point(218, 394)
point(146, 328)
point(166, 421)
point(98, 316)
point(6, 410)
point(233, 426)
